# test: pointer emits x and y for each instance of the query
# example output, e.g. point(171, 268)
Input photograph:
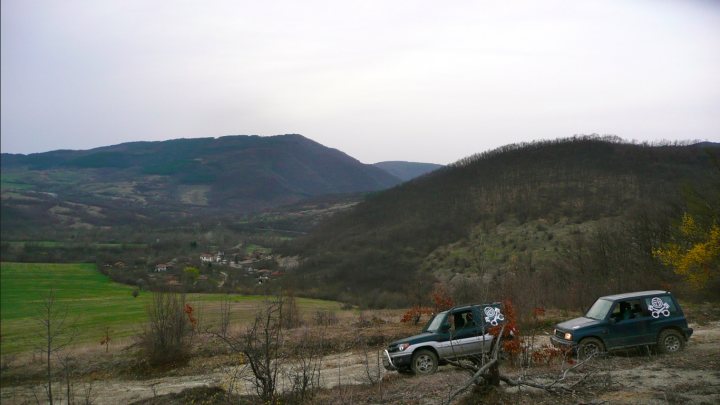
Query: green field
point(95, 303)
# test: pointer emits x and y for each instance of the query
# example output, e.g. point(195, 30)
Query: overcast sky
point(380, 80)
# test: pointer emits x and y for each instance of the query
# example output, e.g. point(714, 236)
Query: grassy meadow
point(95, 303)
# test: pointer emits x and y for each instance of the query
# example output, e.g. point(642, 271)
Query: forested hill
point(531, 209)
point(240, 172)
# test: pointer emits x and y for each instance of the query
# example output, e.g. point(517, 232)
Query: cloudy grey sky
point(380, 80)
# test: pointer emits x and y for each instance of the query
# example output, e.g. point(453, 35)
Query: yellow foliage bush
point(697, 256)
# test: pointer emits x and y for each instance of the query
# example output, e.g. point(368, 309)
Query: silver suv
point(460, 332)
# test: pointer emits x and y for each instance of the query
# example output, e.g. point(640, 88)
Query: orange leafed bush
point(511, 333)
point(415, 313)
point(441, 299)
point(189, 311)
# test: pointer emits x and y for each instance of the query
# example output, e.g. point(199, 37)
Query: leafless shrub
point(225, 312)
point(304, 373)
point(167, 337)
point(67, 364)
point(325, 318)
point(261, 345)
point(362, 321)
point(7, 361)
point(87, 398)
point(291, 314)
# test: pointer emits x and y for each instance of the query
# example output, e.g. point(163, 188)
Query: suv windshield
point(599, 309)
point(435, 323)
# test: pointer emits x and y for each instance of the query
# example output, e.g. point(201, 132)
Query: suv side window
point(463, 319)
point(628, 309)
point(660, 306)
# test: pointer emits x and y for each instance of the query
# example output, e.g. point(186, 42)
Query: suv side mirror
point(444, 328)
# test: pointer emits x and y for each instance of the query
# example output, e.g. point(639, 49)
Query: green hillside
point(549, 220)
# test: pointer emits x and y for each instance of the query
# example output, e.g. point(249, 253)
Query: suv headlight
point(403, 346)
point(568, 336)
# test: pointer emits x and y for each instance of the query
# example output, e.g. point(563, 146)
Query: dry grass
point(633, 376)
point(353, 330)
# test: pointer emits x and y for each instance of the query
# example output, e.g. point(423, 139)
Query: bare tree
point(304, 372)
point(57, 332)
point(261, 345)
point(225, 306)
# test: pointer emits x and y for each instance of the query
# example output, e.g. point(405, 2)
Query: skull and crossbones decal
point(493, 315)
point(658, 307)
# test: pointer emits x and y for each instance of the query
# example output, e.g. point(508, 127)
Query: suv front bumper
point(561, 343)
point(396, 361)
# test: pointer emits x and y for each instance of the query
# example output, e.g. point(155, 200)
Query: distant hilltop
point(178, 177)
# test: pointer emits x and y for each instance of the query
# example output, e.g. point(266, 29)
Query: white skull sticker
point(493, 315)
point(658, 307)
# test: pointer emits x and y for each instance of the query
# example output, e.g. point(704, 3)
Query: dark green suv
point(626, 320)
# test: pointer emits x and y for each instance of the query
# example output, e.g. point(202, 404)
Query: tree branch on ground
point(489, 373)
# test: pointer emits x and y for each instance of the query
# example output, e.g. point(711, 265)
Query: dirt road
point(689, 377)
point(337, 369)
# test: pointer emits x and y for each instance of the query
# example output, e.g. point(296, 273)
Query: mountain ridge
point(177, 177)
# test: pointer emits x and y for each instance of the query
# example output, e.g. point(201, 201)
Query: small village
point(215, 271)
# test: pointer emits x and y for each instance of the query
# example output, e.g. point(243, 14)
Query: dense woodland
point(550, 223)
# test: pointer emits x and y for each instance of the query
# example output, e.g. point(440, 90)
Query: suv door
point(473, 338)
point(628, 325)
point(443, 343)
point(465, 334)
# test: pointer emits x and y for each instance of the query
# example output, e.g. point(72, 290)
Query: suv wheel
point(670, 341)
point(424, 362)
point(590, 347)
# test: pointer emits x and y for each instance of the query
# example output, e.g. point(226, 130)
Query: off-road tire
point(424, 362)
point(589, 347)
point(670, 341)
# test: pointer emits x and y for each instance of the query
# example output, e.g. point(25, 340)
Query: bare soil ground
point(629, 377)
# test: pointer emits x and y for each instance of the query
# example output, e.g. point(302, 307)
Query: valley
point(334, 264)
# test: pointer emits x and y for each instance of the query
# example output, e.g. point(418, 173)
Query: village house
point(161, 267)
point(206, 258)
